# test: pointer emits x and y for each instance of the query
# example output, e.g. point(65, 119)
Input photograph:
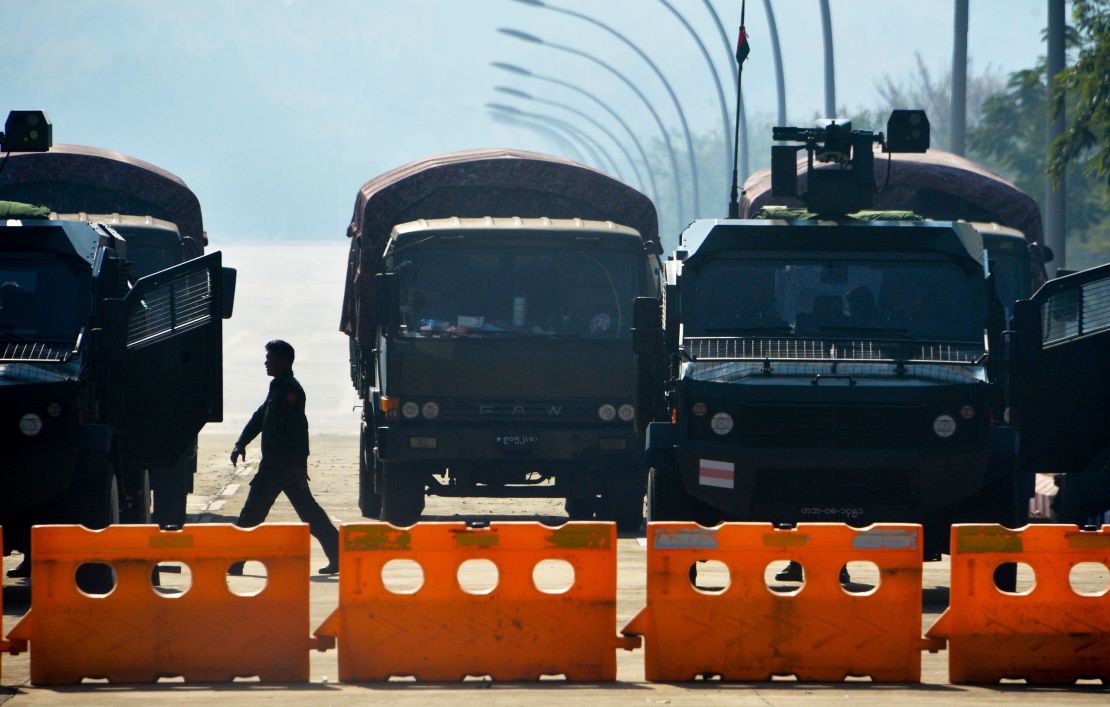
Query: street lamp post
point(521, 71)
point(524, 36)
point(830, 74)
point(716, 83)
point(776, 50)
point(663, 79)
point(600, 155)
point(585, 116)
point(556, 138)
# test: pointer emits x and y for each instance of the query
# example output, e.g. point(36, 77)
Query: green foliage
point(1083, 89)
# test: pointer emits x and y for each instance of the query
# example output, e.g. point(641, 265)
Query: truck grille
point(839, 426)
point(724, 348)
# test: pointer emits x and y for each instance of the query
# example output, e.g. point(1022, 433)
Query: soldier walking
point(284, 465)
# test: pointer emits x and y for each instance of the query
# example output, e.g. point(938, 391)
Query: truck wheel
point(171, 491)
point(369, 500)
point(402, 494)
point(97, 492)
point(624, 501)
point(580, 505)
point(666, 499)
point(136, 510)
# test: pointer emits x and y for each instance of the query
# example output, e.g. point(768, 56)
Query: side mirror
point(387, 295)
point(228, 303)
point(646, 325)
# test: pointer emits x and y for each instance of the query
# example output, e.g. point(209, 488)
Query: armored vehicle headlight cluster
point(410, 410)
point(944, 426)
point(30, 424)
point(607, 412)
point(430, 410)
point(721, 423)
point(626, 412)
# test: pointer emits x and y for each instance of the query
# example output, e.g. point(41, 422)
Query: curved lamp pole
point(521, 71)
point(508, 90)
point(556, 138)
point(776, 50)
point(830, 75)
point(666, 84)
point(716, 83)
point(745, 165)
point(602, 159)
point(628, 82)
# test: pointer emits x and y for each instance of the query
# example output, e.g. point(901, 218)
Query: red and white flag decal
point(715, 473)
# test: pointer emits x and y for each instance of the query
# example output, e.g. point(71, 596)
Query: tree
point(1084, 90)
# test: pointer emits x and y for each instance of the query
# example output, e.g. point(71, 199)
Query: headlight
point(410, 410)
point(699, 409)
point(53, 409)
point(967, 412)
point(607, 412)
point(430, 410)
point(944, 426)
point(626, 412)
point(30, 424)
point(721, 423)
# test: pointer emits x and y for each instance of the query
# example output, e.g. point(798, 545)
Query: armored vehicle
point(110, 361)
point(826, 366)
point(489, 304)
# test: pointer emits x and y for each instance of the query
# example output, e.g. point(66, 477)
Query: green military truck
point(826, 366)
point(110, 359)
point(489, 308)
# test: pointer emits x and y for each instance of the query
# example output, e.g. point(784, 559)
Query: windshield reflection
point(39, 298)
point(528, 293)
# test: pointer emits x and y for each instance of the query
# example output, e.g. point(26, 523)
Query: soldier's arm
point(254, 426)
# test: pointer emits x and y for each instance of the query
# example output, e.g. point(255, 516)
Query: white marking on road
point(229, 490)
point(215, 505)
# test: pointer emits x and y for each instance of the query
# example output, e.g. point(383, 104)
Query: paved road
point(221, 491)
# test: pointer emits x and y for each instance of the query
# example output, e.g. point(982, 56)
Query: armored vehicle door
point(169, 380)
point(1060, 377)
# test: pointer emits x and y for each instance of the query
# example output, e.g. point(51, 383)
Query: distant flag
point(742, 48)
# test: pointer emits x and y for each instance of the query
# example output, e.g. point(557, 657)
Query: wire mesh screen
point(718, 348)
point(179, 305)
point(1074, 312)
point(34, 351)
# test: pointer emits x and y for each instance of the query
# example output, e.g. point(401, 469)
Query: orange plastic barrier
point(137, 634)
point(4, 644)
point(440, 632)
point(750, 632)
point(1050, 635)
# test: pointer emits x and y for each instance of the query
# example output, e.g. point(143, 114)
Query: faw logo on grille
point(533, 410)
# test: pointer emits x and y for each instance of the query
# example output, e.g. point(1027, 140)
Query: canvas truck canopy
point(74, 179)
point(937, 185)
point(475, 184)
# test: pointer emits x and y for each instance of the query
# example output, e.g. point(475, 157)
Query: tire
point(580, 506)
point(402, 494)
point(624, 501)
point(171, 491)
point(136, 510)
point(666, 499)
point(369, 500)
point(97, 492)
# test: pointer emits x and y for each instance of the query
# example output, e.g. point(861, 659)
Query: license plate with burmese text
point(517, 441)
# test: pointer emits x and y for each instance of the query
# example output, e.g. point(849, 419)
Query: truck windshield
point(41, 298)
point(854, 296)
point(531, 292)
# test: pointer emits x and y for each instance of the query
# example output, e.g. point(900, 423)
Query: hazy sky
point(276, 112)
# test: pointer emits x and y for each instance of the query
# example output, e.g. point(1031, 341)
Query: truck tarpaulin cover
point(74, 178)
point(937, 185)
point(476, 183)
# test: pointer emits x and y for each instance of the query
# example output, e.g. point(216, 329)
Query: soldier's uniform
point(284, 465)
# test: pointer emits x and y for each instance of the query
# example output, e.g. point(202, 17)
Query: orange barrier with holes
point(5, 645)
point(1051, 634)
point(748, 631)
point(137, 633)
point(440, 632)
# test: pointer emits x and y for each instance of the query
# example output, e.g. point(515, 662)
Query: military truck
point(824, 366)
point(105, 376)
point(489, 308)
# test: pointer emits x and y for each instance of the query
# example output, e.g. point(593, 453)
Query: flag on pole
point(742, 48)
